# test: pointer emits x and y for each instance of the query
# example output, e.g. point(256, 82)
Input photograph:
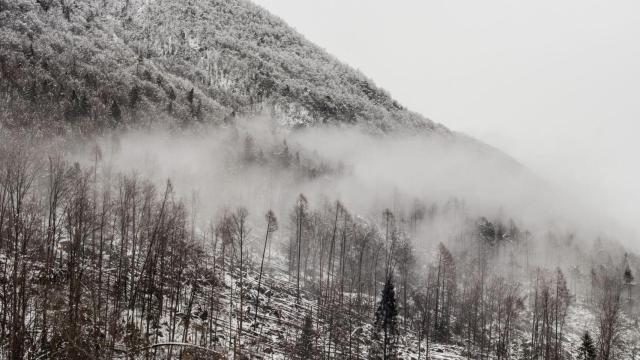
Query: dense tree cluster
point(105, 63)
point(124, 270)
point(101, 264)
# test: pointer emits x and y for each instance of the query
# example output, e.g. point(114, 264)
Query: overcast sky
point(555, 84)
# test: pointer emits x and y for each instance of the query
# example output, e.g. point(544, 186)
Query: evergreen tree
point(45, 4)
point(385, 335)
point(586, 351)
point(190, 96)
point(115, 111)
point(628, 276)
point(305, 346)
point(171, 93)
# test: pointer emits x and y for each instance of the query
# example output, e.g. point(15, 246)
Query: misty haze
point(199, 180)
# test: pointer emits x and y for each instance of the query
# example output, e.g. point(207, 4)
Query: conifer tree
point(586, 351)
point(115, 111)
point(45, 4)
point(190, 96)
point(385, 335)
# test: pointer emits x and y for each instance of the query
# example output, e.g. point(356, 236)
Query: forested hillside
point(102, 263)
point(102, 63)
point(194, 180)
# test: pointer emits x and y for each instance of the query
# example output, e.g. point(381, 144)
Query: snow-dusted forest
point(195, 180)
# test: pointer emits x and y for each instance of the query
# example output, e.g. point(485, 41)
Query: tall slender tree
point(628, 281)
point(272, 226)
point(301, 220)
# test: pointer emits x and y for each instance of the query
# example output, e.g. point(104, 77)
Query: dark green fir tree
point(385, 331)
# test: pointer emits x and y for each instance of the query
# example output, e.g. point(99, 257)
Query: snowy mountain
point(100, 62)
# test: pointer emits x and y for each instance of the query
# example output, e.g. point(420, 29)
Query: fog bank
point(246, 164)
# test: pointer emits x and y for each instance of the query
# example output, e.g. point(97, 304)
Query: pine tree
point(171, 93)
point(586, 351)
point(115, 111)
point(385, 333)
point(305, 346)
point(45, 4)
point(190, 96)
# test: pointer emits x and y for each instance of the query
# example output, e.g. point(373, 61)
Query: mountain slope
point(100, 62)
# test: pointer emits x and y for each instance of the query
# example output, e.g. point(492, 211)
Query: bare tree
point(272, 226)
point(240, 230)
point(301, 219)
point(608, 313)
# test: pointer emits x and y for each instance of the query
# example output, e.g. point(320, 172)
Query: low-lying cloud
point(367, 172)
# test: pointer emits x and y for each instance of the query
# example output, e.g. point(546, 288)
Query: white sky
point(555, 84)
